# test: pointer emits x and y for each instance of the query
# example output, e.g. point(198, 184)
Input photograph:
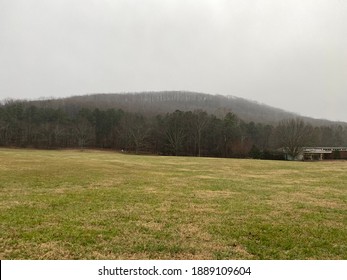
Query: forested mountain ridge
point(166, 123)
point(154, 103)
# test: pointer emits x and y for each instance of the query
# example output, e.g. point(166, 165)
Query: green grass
point(106, 205)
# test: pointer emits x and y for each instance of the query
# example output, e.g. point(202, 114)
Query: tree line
point(193, 133)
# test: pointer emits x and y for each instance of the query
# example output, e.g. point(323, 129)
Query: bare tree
point(292, 135)
point(200, 121)
point(138, 132)
point(175, 133)
point(84, 132)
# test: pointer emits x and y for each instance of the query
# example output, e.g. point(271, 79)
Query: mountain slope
point(153, 103)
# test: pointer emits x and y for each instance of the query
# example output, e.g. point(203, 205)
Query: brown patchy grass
point(106, 205)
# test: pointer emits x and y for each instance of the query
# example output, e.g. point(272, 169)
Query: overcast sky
point(290, 54)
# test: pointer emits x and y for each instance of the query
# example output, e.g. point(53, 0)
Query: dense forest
point(194, 133)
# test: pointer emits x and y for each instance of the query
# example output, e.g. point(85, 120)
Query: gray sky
point(290, 54)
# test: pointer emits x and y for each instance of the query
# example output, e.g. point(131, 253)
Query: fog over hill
point(154, 103)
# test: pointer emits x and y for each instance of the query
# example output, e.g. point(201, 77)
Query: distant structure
point(320, 153)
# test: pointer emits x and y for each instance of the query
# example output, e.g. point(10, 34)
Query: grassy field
point(106, 205)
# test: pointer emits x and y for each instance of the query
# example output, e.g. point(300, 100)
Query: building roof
point(322, 150)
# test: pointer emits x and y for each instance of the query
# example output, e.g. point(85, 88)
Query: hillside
point(153, 103)
point(166, 123)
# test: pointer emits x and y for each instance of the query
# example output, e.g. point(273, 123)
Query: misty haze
point(286, 54)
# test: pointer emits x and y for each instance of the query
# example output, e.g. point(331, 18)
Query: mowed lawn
point(107, 205)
